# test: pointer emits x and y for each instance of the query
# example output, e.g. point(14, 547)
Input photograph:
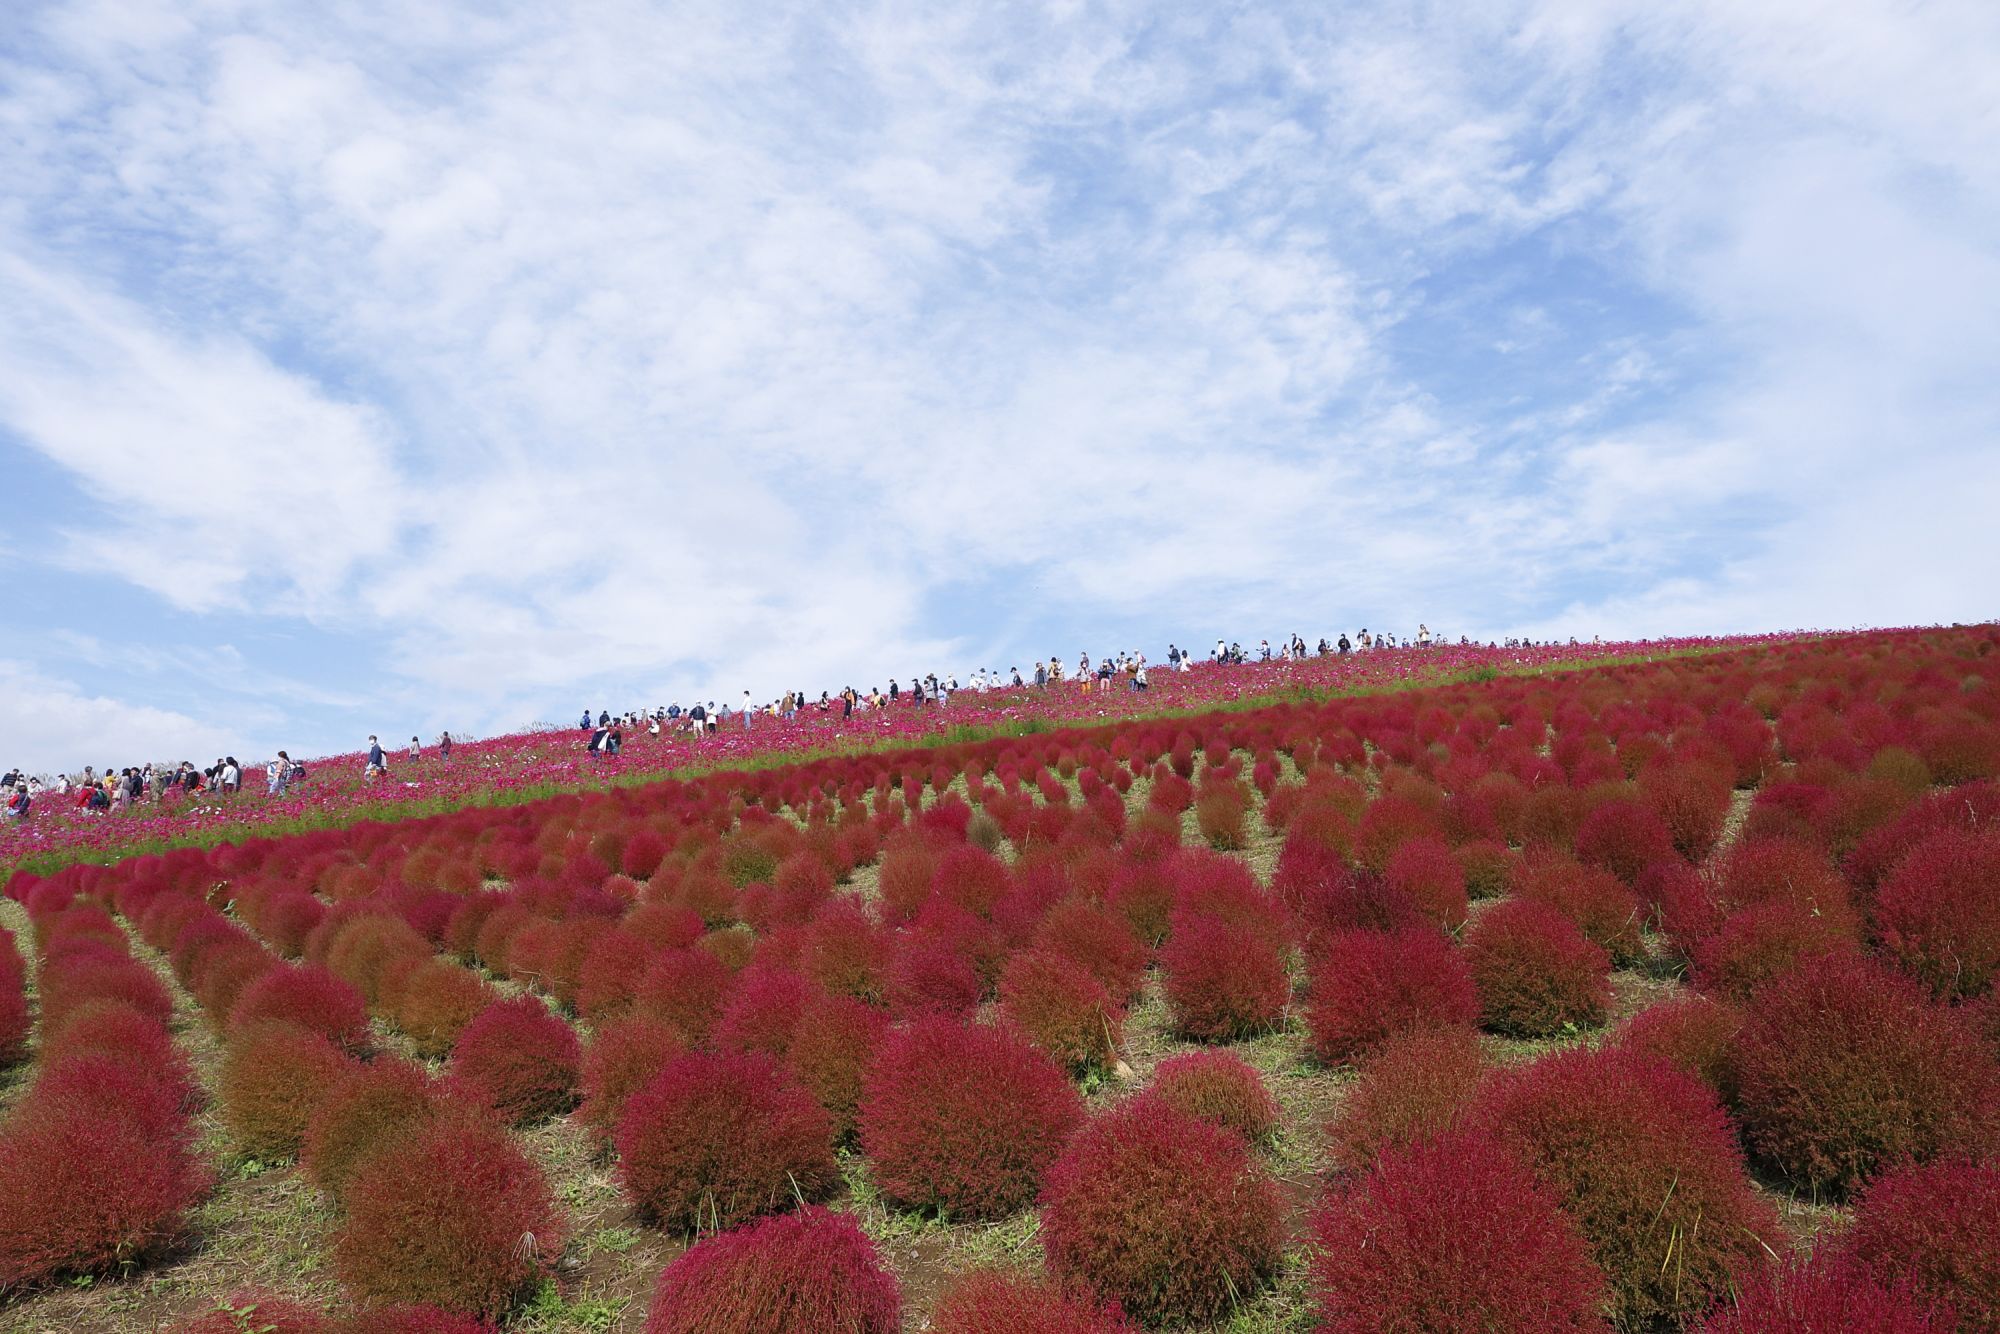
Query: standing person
point(585, 724)
point(746, 710)
point(444, 746)
point(276, 774)
point(378, 763)
point(416, 750)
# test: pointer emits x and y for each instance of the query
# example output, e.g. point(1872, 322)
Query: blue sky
point(382, 368)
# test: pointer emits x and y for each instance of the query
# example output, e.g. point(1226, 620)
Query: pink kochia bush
point(808, 1270)
point(1218, 1087)
point(1644, 1159)
point(1223, 980)
point(964, 1120)
point(1534, 972)
point(311, 997)
point(1932, 1228)
point(1843, 1067)
point(1453, 1234)
point(1828, 1292)
point(1370, 986)
point(455, 1215)
point(1938, 913)
point(720, 1137)
point(1163, 1213)
point(518, 1059)
point(991, 1301)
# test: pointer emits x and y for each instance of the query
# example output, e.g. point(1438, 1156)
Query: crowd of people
point(605, 733)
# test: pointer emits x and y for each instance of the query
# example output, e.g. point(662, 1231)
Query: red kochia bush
point(1370, 986)
point(964, 1120)
point(1691, 1033)
point(719, 1137)
point(1223, 980)
point(519, 1060)
point(1412, 1087)
point(831, 1053)
point(1938, 913)
point(1843, 1067)
point(1098, 939)
point(366, 1112)
point(1534, 972)
point(1933, 1228)
point(623, 1057)
point(1057, 1005)
point(15, 1022)
point(421, 1319)
point(455, 1215)
point(763, 1013)
point(1624, 838)
point(273, 1077)
point(1162, 1213)
point(992, 1301)
point(86, 1186)
point(1218, 1087)
point(1764, 941)
point(1453, 1234)
point(1645, 1161)
point(435, 1002)
point(1826, 1292)
point(311, 997)
point(809, 1270)
point(1426, 870)
point(1601, 905)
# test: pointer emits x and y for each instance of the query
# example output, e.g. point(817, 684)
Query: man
point(378, 763)
point(747, 710)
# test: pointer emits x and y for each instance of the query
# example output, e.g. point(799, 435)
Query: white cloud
point(49, 723)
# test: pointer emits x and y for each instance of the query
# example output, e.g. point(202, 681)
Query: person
point(1423, 635)
point(596, 744)
point(585, 723)
point(19, 803)
point(1346, 645)
point(232, 775)
point(276, 774)
point(444, 746)
point(416, 750)
point(746, 710)
point(378, 763)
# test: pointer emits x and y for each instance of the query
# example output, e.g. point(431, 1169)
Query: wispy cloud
point(530, 354)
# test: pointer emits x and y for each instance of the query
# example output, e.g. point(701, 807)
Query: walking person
point(378, 763)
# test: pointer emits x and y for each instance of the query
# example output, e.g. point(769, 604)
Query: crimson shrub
point(1452, 1234)
point(519, 1060)
point(1061, 1008)
point(454, 1215)
point(1932, 1228)
point(1843, 1068)
point(964, 1120)
point(1222, 980)
point(1534, 972)
point(1369, 986)
point(719, 1137)
point(1161, 1212)
point(1412, 1087)
point(809, 1270)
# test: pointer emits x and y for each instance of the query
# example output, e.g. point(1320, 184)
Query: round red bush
point(1691, 1033)
point(1786, 870)
point(434, 1004)
point(809, 1270)
point(518, 1059)
point(1098, 939)
point(719, 1137)
point(1644, 1159)
point(311, 997)
point(1938, 913)
point(1624, 837)
point(992, 1301)
point(1412, 1087)
point(1843, 1068)
point(1162, 1213)
point(274, 1075)
point(1451, 1234)
point(1426, 870)
point(1222, 980)
point(762, 1014)
point(1932, 1228)
point(931, 976)
point(623, 1057)
point(1534, 972)
point(964, 1120)
point(686, 988)
point(836, 1043)
point(1061, 1008)
point(1603, 907)
point(455, 1215)
point(1763, 941)
point(367, 1111)
point(1218, 1087)
point(1370, 986)
point(1826, 1292)
point(86, 1187)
